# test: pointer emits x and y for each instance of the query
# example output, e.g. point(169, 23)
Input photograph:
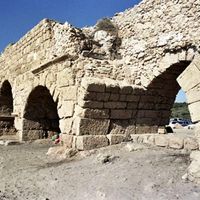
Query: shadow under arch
point(41, 118)
point(155, 105)
point(6, 98)
point(6, 109)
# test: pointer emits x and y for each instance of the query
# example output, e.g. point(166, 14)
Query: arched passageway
point(6, 108)
point(6, 99)
point(155, 106)
point(40, 116)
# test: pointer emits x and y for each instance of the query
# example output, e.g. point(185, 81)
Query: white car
point(174, 124)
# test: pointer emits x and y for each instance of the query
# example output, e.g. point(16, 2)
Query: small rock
point(185, 177)
point(105, 158)
point(53, 151)
point(134, 147)
point(87, 153)
point(101, 194)
point(9, 142)
point(162, 131)
point(69, 153)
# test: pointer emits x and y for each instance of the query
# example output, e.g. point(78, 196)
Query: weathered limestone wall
point(153, 29)
point(104, 86)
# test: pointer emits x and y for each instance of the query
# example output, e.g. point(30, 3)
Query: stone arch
point(6, 98)
point(40, 117)
point(6, 109)
point(155, 105)
point(176, 71)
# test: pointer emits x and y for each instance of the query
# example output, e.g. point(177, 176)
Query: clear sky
point(181, 96)
point(19, 16)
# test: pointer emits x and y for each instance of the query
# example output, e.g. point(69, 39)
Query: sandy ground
point(148, 174)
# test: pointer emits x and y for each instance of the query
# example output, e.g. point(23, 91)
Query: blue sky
point(181, 96)
point(19, 16)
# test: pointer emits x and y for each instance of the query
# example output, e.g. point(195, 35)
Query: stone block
point(132, 98)
point(191, 143)
point(150, 140)
point(121, 114)
point(93, 96)
point(161, 140)
point(117, 138)
point(113, 88)
point(196, 60)
point(66, 109)
point(147, 98)
point(131, 128)
point(67, 140)
point(96, 113)
point(126, 127)
point(148, 114)
point(32, 134)
point(175, 142)
point(126, 90)
point(85, 126)
point(114, 97)
point(122, 97)
point(118, 126)
point(142, 129)
point(30, 125)
point(148, 106)
point(115, 105)
point(190, 54)
point(65, 78)
point(162, 131)
point(90, 104)
point(141, 138)
point(182, 55)
point(132, 105)
point(193, 172)
point(189, 78)
point(194, 109)
point(66, 125)
point(134, 138)
point(102, 96)
point(91, 142)
point(193, 95)
point(93, 85)
point(69, 93)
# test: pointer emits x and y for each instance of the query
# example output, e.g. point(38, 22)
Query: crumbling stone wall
point(102, 86)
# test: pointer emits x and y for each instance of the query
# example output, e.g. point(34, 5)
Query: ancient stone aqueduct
point(99, 86)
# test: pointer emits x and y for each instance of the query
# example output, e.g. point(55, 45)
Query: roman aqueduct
point(98, 85)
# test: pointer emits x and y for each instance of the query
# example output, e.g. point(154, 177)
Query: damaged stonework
point(102, 84)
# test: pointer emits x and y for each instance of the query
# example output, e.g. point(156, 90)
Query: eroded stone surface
point(87, 82)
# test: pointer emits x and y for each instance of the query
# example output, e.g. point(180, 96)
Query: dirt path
point(149, 174)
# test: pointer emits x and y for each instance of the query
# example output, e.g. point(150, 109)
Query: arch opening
point(6, 99)
point(6, 109)
point(180, 110)
point(41, 118)
point(160, 96)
